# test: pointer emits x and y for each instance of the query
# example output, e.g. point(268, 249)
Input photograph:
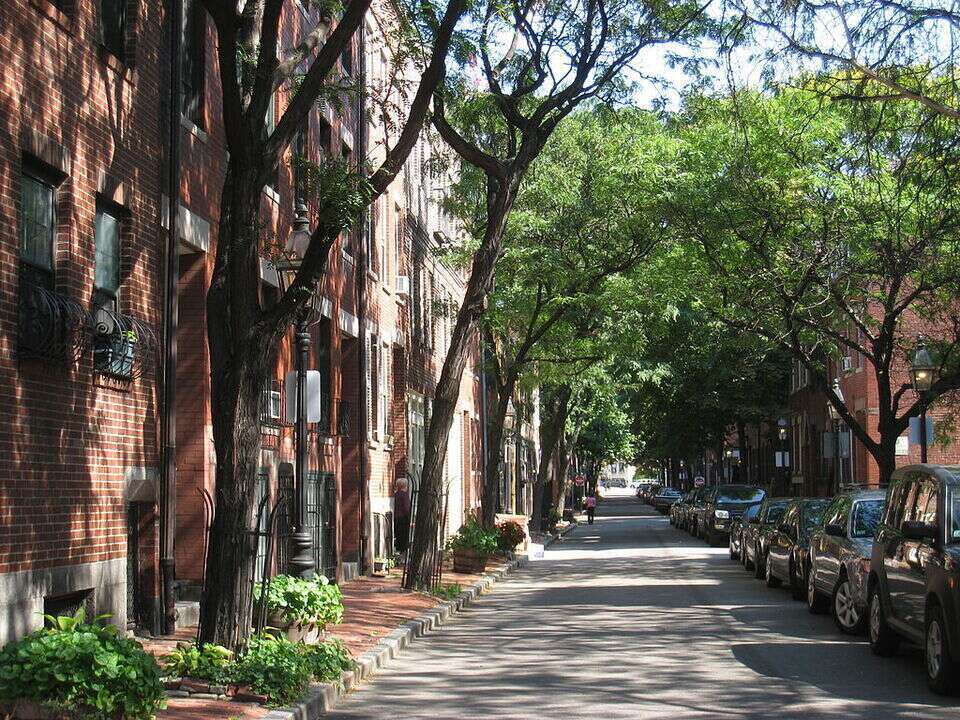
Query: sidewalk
point(374, 607)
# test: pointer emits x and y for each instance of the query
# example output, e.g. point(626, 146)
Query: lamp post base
point(301, 550)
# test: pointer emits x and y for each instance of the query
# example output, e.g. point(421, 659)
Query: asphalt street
point(630, 618)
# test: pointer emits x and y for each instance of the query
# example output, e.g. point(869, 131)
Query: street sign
point(579, 480)
point(313, 396)
point(699, 481)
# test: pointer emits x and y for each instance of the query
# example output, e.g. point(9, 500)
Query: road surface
point(630, 618)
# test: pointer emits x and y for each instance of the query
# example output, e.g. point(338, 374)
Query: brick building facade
point(83, 238)
point(81, 268)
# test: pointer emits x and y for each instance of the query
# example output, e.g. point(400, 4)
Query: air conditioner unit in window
point(273, 405)
point(403, 284)
point(846, 363)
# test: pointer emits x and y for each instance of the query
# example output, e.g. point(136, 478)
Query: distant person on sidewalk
point(591, 503)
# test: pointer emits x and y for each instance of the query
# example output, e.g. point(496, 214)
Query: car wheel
point(941, 667)
point(758, 564)
point(816, 603)
point(883, 640)
point(745, 558)
point(846, 614)
point(772, 580)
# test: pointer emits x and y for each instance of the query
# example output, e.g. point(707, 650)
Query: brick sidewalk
point(373, 607)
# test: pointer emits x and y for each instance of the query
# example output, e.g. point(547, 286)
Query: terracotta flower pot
point(468, 561)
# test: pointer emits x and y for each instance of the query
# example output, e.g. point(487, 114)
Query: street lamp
point(782, 429)
point(835, 417)
point(923, 372)
point(302, 562)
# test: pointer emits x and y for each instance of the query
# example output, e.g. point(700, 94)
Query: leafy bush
point(211, 662)
point(447, 591)
point(550, 518)
point(275, 667)
point(473, 536)
point(328, 660)
point(510, 535)
point(84, 668)
point(304, 602)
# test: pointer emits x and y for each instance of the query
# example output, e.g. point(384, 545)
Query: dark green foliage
point(510, 535)
point(88, 669)
point(473, 536)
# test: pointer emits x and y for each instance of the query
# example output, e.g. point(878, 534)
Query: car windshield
point(866, 517)
point(812, 513)
point(670, 491)
point(739, 493)
point(751, 512)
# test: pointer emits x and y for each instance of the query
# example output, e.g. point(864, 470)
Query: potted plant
point(472, 546)
point(302, 608)
point(510, 535)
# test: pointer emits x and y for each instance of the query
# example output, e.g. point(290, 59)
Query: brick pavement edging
point(323, 697)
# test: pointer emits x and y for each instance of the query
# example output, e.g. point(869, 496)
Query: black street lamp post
point(302, 563)
point(923, 371)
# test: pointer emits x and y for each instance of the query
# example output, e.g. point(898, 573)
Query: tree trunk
point(551, 428)
point(560, 473)
point(495, 449)
point(479, 286)
point(744, 463)
point(241, 354)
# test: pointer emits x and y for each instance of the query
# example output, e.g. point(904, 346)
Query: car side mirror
point(917, 530)
point(834, 529)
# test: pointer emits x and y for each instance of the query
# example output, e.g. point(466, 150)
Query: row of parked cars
point(884, 561)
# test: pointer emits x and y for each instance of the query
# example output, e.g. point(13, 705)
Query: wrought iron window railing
point(52, 326)
point(123, 346)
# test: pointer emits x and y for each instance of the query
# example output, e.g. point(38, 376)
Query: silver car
point(840, 557)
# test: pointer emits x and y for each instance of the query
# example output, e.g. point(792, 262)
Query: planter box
point(469, 561)
point(310, 634)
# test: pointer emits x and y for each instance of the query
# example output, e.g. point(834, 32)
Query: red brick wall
point(67, 438)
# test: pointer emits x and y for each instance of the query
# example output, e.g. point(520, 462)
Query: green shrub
point(473, 536)
point(510, 534)
point(211, 662)
point(88, 669)
point(550, 518)
point(328, 660)
point(275, 667)
point(304, 602)
point(447, 591)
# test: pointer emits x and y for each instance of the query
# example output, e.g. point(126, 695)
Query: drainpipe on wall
point(168, 480)
point(365, 555)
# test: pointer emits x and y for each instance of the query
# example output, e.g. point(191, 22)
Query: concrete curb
point(323, 697)
point(563, 533)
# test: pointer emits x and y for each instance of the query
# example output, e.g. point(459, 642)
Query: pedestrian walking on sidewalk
point(591, 503)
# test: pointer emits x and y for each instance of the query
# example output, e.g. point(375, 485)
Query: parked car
point(722, 506)
point(697, 509)
point(684, 512)
point(757, 533)
point(651, 493)
point(914, 583)
point(789, 546)
point(678, 508)
point(840, 558)
point(664, 499)
point(737, 527)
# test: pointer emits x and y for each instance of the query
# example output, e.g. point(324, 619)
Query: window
point(866, 517)
point(37, 227)
point(113, 27)
point(346, 58)
point(106, 282)
point(323, 365)
point(372, 236)
point(383, 392)
point(927, 503)
point(300, 151)
point(373, 384)
point(193, 56)
point(269, 124)
point(383, 240)
point(326, 138)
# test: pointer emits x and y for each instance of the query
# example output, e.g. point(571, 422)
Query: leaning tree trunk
point(479, 287)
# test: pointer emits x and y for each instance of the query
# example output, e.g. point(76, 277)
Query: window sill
point(49, 11)
point(190, 126)
point(124, 70)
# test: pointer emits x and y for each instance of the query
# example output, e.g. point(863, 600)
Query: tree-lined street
point(631, 618)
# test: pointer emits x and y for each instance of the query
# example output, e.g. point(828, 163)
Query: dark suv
point(725, 505)
point(914, 584)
